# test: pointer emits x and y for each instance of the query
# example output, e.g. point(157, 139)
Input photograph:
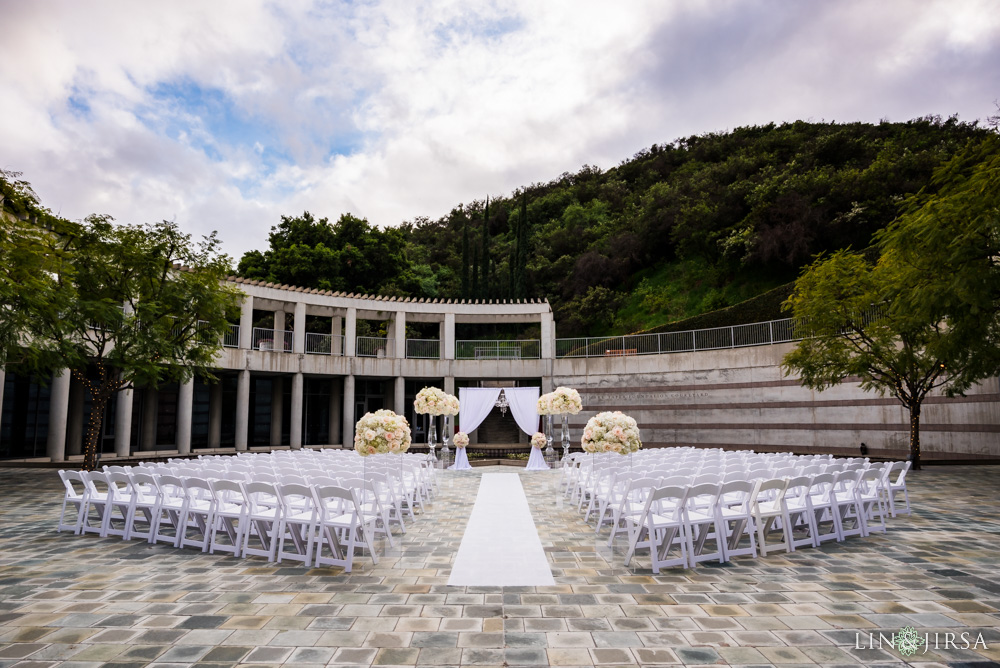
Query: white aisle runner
point(500, 547)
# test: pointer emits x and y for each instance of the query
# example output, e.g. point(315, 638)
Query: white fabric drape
point(475, 404)
point(536, 462)
point(461, 460)
point(524, 407)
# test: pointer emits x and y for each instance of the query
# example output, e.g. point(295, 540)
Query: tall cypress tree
point(465, 258)
point(520, 287)
point(512, 258)
point(484, 283)
point(475, 273)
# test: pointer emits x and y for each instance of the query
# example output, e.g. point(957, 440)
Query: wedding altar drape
point(523, 403)
point(475, 404)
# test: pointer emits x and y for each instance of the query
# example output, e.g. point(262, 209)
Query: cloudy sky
point(226, 114)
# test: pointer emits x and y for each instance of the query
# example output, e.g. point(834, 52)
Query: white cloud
point(393, 109)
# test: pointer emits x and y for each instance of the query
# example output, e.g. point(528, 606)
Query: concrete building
point(305, 378)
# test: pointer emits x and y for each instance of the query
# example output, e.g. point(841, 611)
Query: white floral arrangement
point(562, 400)
point(461, 439)
point(538, 440)
point(433, 401)
point(611, 432)
point(380, 433)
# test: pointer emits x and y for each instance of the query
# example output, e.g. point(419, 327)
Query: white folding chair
point(99, 497)
point(702, 522)
point(298, 520)
point(894, 487)
point(342, 525)
point(736, 519)
point(798, 512)
point(262, 520)
point(197, 514)
point(145, 504)
point(767, 508)
point(172, 499)
point(662, 523)
point(72, 497)
point(869, 495)
point(845, 505)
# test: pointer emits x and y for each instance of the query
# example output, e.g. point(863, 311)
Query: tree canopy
point(926, 314)
point(679, 229)
point(117, 305)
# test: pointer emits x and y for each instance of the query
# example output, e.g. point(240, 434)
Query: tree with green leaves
point(484, 265)
point(465, 259)
point(128, 305)
point(926, 315)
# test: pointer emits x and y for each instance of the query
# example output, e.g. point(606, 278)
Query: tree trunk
point(915, 435)
point(99, 400)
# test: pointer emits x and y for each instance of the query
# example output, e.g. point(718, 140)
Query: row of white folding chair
point(241, 510)
point(686, 517)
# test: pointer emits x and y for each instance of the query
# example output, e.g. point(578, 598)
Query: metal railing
point(425, 349)
point(231, 339)
point(497, 350)
point(324, 344)
point(275, 340)
point(372, 346)
point(736, 336)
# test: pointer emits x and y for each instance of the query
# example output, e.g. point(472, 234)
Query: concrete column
point(277, 409)
point(399, 334)
point(299, 338)
point(246, 323)
point(449, 384)
point(295, 431)
point(3, 381)
point(449, 336)
point(335, 412)
point(123, 423)
point(350, 334)
point(337, 331)
point(58, 415)
point(348, 414)
point(242, 410)
point(279, 331)
point(215, 415)
point(74, 432)
point(548, 342)
point(150, 415)
point(399, 398)
point(185, 406)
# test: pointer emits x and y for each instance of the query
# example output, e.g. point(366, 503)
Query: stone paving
point(81, 601)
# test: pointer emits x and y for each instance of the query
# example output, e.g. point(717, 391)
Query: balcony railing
point(372, 346)
point(737, 336)
point(324, 344)
point(275, 340)
point(425, 349)
point(231, 339)
point(497, 350)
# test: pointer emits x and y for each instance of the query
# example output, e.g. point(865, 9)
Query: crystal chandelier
point(502, 403)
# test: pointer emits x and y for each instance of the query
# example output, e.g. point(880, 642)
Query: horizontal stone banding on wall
point(751, 405)
point(883, 453)
point(814, 426)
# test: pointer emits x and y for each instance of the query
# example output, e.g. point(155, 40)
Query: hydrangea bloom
point(433, 401)
point(382, 432)
point(611, 432)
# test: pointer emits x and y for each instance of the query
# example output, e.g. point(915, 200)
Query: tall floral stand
point(550, 452)
point(565, 435)
point(432, 439)
point(446, 437)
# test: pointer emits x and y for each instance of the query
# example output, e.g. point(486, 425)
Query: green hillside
point(678, 230)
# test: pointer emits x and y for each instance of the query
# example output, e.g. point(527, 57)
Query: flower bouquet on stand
point(566, 401)
point(611, 433)
point(546, 408)
point(461, 458)
point(433, 401)
point(536, 462)
point(380, 433)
